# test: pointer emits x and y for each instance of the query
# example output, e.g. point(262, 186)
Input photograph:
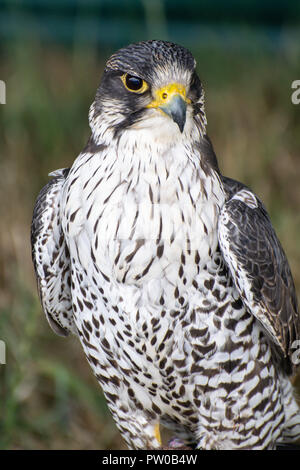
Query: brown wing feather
point(259, 267)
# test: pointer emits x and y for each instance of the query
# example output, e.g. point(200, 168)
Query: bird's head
point(150, 85)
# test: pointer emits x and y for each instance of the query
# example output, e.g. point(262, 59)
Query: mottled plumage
point(170, 273)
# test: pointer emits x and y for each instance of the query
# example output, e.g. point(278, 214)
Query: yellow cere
point(166, 93)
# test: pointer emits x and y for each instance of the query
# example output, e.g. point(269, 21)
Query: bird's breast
point(144, 223)
point(141, 235)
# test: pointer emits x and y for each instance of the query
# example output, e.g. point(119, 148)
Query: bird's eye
point(135, 84)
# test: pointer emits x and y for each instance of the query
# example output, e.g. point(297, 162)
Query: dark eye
point(135, 84)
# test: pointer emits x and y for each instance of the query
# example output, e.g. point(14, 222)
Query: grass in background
point(48, 396)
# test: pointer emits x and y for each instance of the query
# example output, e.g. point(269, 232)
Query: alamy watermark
point(2, 352)
point(2, 92)
point(295, 97)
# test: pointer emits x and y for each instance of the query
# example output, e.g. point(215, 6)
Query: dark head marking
point(143, 58)
point(154, 63)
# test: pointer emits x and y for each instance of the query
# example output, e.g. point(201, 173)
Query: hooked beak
point(171, 99)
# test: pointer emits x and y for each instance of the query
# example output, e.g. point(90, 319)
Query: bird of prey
point(170, 273)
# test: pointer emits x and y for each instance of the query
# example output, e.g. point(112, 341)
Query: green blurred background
point(52, 54)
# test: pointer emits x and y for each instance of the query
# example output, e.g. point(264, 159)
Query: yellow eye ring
point(134, 84)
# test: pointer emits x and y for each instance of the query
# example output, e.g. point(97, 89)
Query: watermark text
point(2, 352)
point(2, 92)
point(295, 97)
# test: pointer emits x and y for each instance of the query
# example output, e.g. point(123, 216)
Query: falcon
point(170, 274)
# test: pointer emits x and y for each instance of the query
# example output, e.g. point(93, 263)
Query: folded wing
point(259, 266)
point(50, 256)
